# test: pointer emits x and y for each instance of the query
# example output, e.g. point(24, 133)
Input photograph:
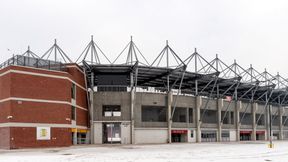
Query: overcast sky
point(250, 31)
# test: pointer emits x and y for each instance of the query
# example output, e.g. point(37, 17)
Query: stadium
point(51, 101)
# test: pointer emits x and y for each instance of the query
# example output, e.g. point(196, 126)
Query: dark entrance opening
point(111, 133)
point(208, 136)
point(245, 135)
point(179, 135)
point(260, 135)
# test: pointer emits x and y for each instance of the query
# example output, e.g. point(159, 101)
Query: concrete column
point(169, 119)
point(254, 125)
point(267, 117)
point(237, 118)
point(219, 108)
point(198, 104)
point(132, 105)
point(133, 93)
point(281, 110)
point(75, 138)
point(91, 95)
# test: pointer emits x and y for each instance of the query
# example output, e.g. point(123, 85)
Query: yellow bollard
point(271, 145)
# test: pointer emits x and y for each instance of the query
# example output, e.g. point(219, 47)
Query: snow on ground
point(200, 152)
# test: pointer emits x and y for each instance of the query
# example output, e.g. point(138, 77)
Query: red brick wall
point(5, 84)
point(39, 87)
point(4, 138)
point(81, 97)
point(37, 112)
point(76, 74)
point(82, 117)
point(5, 110)
point(24, 137)
point(45, 88)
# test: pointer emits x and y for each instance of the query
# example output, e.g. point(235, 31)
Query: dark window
point(275, 120)
point(285, 121)
point(209, 136)
point(154, 114)
point(111, 110)
point(73, 113)
point(192, 134)
point(260, 118)
point(112, 82)
point(228, 118)
point(225, 134)
point(180, 115)
point(246, 118)
point(73, 91)
point(210, 116)
point(190, 115)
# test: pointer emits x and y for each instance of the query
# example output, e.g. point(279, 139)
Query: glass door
point(112, 133)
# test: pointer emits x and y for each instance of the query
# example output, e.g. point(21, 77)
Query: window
point(73, 91)
point(73, 113)
point(111, 110)
point(275, 120)
point(192, 134)
point(260, 118)
point(180, 115)
point(208, 136)
point(154, 114)
point(246, 118)
point(285, 121)
point(225, 136)
point(210, 116)
point(190, 115)
point(228, 118)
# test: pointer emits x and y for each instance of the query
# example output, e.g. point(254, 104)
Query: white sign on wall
point(43, 133)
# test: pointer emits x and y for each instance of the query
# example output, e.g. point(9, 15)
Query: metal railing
point(20, 60)
point(123, 88)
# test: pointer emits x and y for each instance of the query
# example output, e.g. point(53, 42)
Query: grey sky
point(250, 31)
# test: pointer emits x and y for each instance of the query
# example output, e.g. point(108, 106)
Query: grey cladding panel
point(112, 79)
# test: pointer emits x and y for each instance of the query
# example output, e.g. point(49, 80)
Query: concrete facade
point(231, 128)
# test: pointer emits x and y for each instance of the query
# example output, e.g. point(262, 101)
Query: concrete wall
point(157, 99)
point(232, 135)
point(147, 135)
point(112, 98)
point(191, 139)
point(125, 133)
point(98, 130)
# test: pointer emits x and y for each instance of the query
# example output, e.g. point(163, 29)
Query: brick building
point(41, 106)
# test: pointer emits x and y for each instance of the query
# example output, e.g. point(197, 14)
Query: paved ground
point(204, 152)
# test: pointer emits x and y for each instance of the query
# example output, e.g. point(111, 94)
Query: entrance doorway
point(208, 136)
point(276, 135)
point(79, 136)
point(260, 135)
point(179, 135)
point(245, 135)
point(112, 133)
